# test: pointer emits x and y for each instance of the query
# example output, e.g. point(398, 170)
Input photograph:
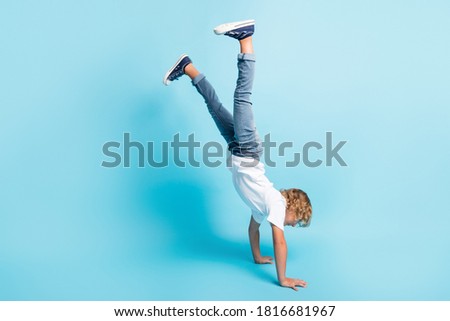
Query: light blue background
point(76, 74)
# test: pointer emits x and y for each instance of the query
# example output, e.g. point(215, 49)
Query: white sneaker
point(238, 30)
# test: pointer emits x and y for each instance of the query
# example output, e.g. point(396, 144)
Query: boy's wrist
point(257, 258)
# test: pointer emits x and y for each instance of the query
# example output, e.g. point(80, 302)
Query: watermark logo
point(214, 154)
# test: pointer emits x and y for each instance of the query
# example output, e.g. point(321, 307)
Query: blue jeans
point(238, 129)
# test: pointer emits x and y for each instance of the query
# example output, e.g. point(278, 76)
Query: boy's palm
point(264, 260)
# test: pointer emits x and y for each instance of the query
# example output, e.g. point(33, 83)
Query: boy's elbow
point(279, 243)
point(253, 233)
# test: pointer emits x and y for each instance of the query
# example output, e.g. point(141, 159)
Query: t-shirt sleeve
point(258, 217)
point(277, 213)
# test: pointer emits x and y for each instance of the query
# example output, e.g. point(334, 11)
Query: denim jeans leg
point(244, 123)
point(220, 115)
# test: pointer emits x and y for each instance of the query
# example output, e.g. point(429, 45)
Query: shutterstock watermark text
point(182, 152)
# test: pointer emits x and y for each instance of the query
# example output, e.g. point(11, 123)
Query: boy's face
point(290, 219)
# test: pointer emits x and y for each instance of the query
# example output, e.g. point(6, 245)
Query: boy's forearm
point(280, 248)
point(254, 243)
point(280, 259)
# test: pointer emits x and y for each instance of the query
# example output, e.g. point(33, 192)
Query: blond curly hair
point(299, 202)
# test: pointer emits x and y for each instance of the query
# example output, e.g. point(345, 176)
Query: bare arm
point(280, 247)
point(253, 234)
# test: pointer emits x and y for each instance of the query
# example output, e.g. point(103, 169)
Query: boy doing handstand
point(280, 208)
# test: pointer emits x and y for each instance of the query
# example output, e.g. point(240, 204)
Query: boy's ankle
point(191, 71)
point(246, 45)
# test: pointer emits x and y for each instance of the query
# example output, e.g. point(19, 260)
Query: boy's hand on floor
point(293, 283)
point(264, 260)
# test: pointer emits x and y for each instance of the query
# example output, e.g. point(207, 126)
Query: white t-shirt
point(257, 191)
